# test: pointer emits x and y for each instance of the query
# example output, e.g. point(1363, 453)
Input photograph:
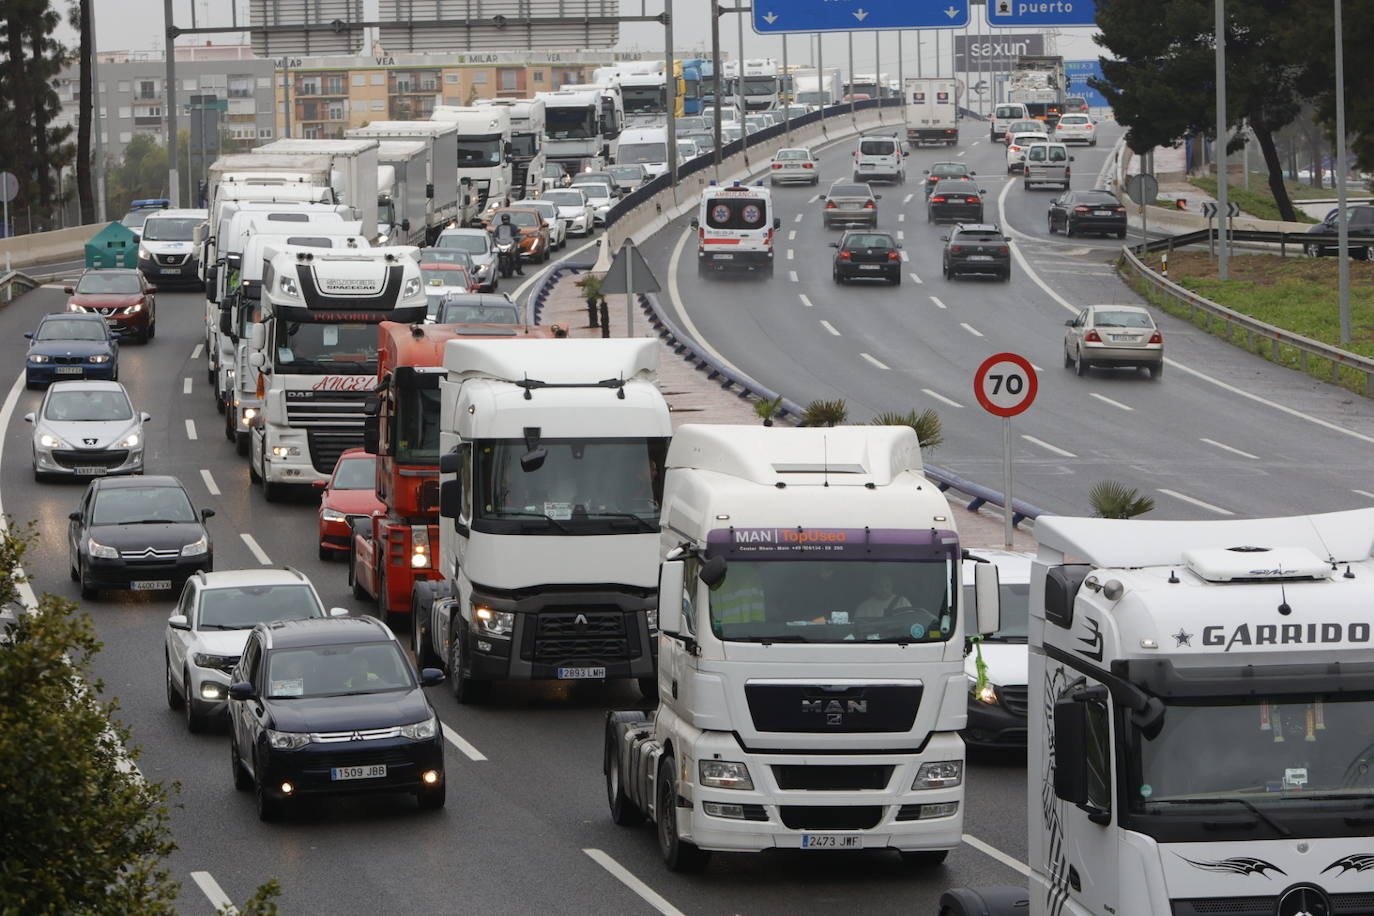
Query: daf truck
point(932, 112)
point(527, 119)
point(1199, 738)
point(316, 353)
point(811, 652)
point(483, 151)
point(551, 456)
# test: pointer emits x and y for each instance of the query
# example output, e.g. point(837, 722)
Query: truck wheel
point(624, 812)
point(273, 492)
point(924, 858)
point(421, 601)
point(465, 690)
point(678, 854)
point(648, 688)
point(395, 619)
point(241, 443)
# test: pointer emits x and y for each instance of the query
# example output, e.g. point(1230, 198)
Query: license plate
point(151, 585)
point(89, 471)
point(870, 267)
point(724, 257)
point(171, 270)
point(375, 771)
point(1102, 213)
point(580, 674)
point(831, 841)
point(980, 257)
point(1123, 337)
point(68, 370)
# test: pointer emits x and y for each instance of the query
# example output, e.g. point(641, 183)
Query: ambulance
point(735, 225)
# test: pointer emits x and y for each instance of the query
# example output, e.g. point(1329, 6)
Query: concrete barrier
point(47, 247)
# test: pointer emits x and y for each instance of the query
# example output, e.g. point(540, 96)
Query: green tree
point(926, 423)
point(1110, 499)
point(29, 102)
point(141, 174)
point(825, 413)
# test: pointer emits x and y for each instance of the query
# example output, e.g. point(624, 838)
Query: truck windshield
point(644, 99)
point(479, 152)
point(570, 123)
point(524, 146)
point(835, 600)
point(639, 153)
point(417, 426)
point(1287, 756)
point(583, 486)
point(303, 348)
point(760, 85)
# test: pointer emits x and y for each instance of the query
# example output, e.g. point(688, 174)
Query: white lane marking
point(255, 549)
point(829, 327)
point(1047, 447)
point(975, 143)
point(940, 397)
point(907, 199)
point(797, 218)
point(190, 429)
point(791, 234)
point(901, 217)
point(186, 386)
point(26, 593)
point(971, 329)
point(622, 874)
point(999, 855)
point(875, 361)
point(1196, 502)
point(914, 278)
point(962, 151)
point(791, 254)
point(1106, 400)
point(814, 198)
point(904, 257)
point(804, 300)
point(197, 350)
point(1364, 493)
point(901, 236)
point(214, 893)
point(1227, 448)
point(792, 275)
point(463, 745)
point(675, 295)
point(209, 482)
point(938, 303)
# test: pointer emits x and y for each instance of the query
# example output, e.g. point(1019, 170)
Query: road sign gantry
point(779, 16)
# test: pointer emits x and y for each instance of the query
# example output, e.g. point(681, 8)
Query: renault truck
point(1199, 737)
point(811, 651)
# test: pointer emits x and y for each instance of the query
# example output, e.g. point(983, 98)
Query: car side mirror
point(74, 516)
point(242, 690)
point(151, 289)
point(695, 223)
point(69, 290)
point(145, 416)
point(1069, 323)
point(944, 238)
point(777, 223)
point(28, 418)
point(28, 335)
point(982, 191)
point(899, 244)
point(877, 197)
point(1071, 159)
point(207, 514)
point(338, 612)
point(832, 245)
point(973, 173)
point(178, 622)
point(431, 677)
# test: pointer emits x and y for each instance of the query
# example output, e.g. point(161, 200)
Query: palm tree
point(1110, 499)
point(768, 409)
point(825, 413)
point(926, 423)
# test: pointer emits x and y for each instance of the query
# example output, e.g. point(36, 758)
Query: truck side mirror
point(429, 191)
point(372, 435)
point(695, 223)
point(405, 225)
point(987, 598)
point(670, 584)
point(450, 498)
point(777, 223)
point(713, 572)
point(451, 462)
point(211, 276)
point(226, 321)
point(257, 337)
point(1070, 752)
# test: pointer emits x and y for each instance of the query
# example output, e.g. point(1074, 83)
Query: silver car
point(86, 429)
point(850, 202)
point(793, 165)
point(477, 243)
point(599, 196)
point(573, 209)
point(1114, 335)
point(558, 226)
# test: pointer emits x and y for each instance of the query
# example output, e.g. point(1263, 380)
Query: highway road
point(526, 828)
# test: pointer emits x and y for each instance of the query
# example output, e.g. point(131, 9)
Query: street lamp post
point(1342, 227)
point(1223, 213)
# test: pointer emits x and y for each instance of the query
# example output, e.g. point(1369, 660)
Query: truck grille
point(1359, 904)
point(814, 708)
point(830, 817)
point(832, 778)
point(1014, 699)
point(582, 635)
point(77, 458)
point(327, 445)
point(332, 409)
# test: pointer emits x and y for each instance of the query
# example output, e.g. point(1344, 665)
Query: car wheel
point(1068, 359)
point(465, 690)
point(1050, 221)
point(195, 721)
point(1121, 233)
point(269, 808)
point(1369, 253)
point(87, 592)
point(1068, 228)
point(624, 812)
point(1006, 275)
point(432, 799)
point(678, 854)
point(173, 697)
point(242, 781)
point(897, 278)
point(1080, 367)
point(1156, 370)
point(326, 554)
point(924, 858)
point(1025, 185)
point(152, 331)
point(835, 275)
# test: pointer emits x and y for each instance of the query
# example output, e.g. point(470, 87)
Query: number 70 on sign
point(1005, 384)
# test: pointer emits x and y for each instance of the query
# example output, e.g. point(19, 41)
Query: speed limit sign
point(1005, 384)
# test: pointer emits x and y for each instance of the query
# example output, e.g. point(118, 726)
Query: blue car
point(71, 346)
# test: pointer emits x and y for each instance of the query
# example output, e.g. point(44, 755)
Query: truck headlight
point(939, 774)
point(419, 547)
point(412, 288)
point(500, 624)
point(421, 731)
point(197, 547)
point(97, 549)
point(286, 741)
point(284, 451)
point(725, 774)
point(287, 286)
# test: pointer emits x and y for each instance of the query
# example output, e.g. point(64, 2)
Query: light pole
point(170, 101)
point(98, 118)
point(1342, 228)
point(1223, 213)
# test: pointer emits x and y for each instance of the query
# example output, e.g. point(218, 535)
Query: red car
point(350, 492)
point(121, 296)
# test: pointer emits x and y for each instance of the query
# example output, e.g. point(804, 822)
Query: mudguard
point(986, 901)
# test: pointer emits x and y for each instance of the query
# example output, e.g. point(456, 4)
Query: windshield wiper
point(768, 640)
point(1231, 800)
point(549, 518)
point(162, 521)
point(644, 523)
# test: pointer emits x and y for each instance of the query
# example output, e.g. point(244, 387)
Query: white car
point(210, 625)
point(997, 709)
point(793, 165)
point(558, 226)
point(1016, 149)
point(599, 197)
point(573, 209)
point(86, 429)
point(1075, 128)
point(477, 243)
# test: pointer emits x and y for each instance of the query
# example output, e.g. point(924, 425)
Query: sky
point(136, 25)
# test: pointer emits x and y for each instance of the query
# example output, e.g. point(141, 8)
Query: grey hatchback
point(850, 202)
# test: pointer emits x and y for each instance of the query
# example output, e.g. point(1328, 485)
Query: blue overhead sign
point(776, 16)
point(1078, 72)
point(1042, 12)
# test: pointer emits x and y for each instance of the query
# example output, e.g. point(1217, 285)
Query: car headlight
point(287, 286)
point(100, 358)
point(48, 440)
point(208, 660)
point(333, 515)
point(144, 254)
point(725, 774)
point(39, 358)
point(73, 307)
point(286, 741)
point(97, 549)
point(939, 774)
point(421, 731)
point(499, 624)
point(131, 441)
point(285, 451)
point(412, 288)
point(197, 547)
point(134, 309)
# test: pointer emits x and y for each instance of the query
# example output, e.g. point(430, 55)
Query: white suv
point(210, 625)
point(1075, 128)
point(879, 158)
point(1017, 146)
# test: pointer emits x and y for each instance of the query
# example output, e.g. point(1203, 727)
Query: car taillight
point(806, 165)
point(869, 205)
point(1080, 209)
point(830, 205)
point(1015, 149)
point(893, 256)
point(844, 254)
point(1087, 127)
point(1118, 209)
point(1003, 249)
point(1059, 127)
point(937, 200)
point(701, 234)
point(777, 165)
point(955, 249)
point(1156, 337)
point(1093, 337)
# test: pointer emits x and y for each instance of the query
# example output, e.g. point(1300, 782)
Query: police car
point(735, 226)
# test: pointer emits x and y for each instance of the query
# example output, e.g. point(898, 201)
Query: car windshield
point(948, 170)
point(336, 670)
point(867, 240)
point(520, 217)
point(68, 406)
point(135, 505)
point(170, 229)
point(1073, 119)
point(835, 600)
point(565, 198)
point(71, 329)
point(1123, 319)
point(457, 313)
point(630, 172)
point(100, 281)
point(305, 348)
point(849, 190)
point(595, 190)
point(444, 276)
point(355, 474)
point(1014, 606)
point(239, 607)
point(472, 242)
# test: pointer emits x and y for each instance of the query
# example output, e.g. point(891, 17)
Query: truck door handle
point(1073, 880)
point(674, 688)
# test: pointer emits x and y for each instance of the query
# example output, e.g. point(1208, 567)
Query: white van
point(646, 146)
point(735, 225)
point(879, 158)
point(1002, 117)
point(997, 708)
point(167, 246)
point(1047, 163)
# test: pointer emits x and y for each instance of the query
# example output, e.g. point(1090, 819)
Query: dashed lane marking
point(804, 300)
point(622, 874)
point(1227, 448)
point(255, 549)
point(197, 350)
point(463, 745)
point(797, 218)
point(907, 199)
point(792, 234)
point(186, 386)
point(1196, 502)
point(829, 327)
point(875, 361)
point(190, 428)
point(1047, 447)
point(1106, 400)
point(209, 482)
point(914, 278)
point(214, 893)
point(792, 275)
point(940, 397)
point(971, 329)
point(938, 303)
point(1364, 493)
point(791, 254)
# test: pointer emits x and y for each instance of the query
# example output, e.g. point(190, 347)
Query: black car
point(137, 533)
point(1359, 222)
point(943, 171)
point(867, 255)
point(332, 706)
point(974, 248)
point(1088, 211)
point(955, 200)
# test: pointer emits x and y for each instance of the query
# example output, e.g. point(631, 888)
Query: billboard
point(498, 25)
point(996, 52)
point(280, 27)
point(1078, 73)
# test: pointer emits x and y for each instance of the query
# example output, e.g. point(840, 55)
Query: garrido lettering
point(1283, 634)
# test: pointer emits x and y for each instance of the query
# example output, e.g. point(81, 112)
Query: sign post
point(1144, 190)
point(9, 189)
point(629, 274)
point(1005, 385)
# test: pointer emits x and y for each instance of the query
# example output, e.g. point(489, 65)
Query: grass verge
point(1258, 201)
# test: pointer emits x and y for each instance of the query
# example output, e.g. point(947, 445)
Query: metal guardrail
point(1253, 328)
point(1303, 241)
point(15, 278)
point(549, 281)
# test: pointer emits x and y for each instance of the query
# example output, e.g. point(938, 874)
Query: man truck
point(811, 679)
point(1199, 741)
point(483, 150)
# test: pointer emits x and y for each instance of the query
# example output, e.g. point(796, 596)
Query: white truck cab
point(735, 225)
